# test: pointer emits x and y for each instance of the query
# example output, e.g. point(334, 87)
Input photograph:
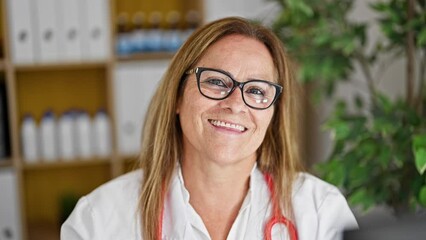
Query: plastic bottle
point(138, 37)
point(48, 137)
point(154, 34)
point(172, 35)
point(29, 132)
point(66, 137)
point(192, 21)
point(123, 43)
point(102, 134)
point(83, 135)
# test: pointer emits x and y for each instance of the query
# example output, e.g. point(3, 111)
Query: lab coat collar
point(175, 219)
point(259, 202)
point(177, 207)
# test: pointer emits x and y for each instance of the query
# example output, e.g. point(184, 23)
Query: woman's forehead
point(237, 54)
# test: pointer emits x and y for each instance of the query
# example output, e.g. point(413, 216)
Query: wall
point(253, 9)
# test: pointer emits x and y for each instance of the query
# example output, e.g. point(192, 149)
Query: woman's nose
point(234, 101)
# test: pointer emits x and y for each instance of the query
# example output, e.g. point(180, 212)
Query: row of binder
point(46, 31)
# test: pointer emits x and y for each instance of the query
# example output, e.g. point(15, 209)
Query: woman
point(219, 154)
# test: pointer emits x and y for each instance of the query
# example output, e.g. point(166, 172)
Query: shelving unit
point(6, 162)
point(2, 66)
point(145, 56)
point(34, 88)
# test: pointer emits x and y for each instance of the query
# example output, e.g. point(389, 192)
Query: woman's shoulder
point(316, 201)
point(108, 212)
point(312, 188)
point(121, 188)
point(308, 181)
point(308, 185)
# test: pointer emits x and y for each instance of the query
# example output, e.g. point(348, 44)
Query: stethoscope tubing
point(277, 216)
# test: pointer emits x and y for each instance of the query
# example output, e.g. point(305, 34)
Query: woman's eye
point(255, 91)
point(216, 82)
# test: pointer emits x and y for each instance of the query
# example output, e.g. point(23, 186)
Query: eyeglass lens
point(217, 85)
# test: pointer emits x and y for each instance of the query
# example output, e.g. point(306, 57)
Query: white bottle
point(138, 35)
point(48, 137)
point(154, 33)
point(123, 41)
point(83, 135)
point(66, 137)
point(192, 20)
point(171, 39)
point(102, 134)
point(29, 132)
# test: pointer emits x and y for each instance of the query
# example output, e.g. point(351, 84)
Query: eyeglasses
point(217, 85)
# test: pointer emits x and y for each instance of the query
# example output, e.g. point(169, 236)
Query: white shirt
point(111, 211)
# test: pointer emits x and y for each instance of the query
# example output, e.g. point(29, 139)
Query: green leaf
point(300, 7)
point(385, 103)
point(360, 32)
point(380, 6)
point(361, 198)
point(384, 125)
point(322, 39)
point(341, 130)
point(368, 148)
point(340, 108)
point(420, 158)
point(384, 157)
point(358, 175)
point(349, 48)
point(332, 172)
point(359, 102)
point(412, 117)
point(419, 141)
point(419, 149)
point(422, 196)
point(304, 8)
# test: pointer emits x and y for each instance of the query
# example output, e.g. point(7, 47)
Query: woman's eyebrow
point(248, 79)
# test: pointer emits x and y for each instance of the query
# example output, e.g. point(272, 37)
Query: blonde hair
point(162, 147)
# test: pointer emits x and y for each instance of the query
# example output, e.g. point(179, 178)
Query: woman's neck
point(210, 179)
point(217, 192)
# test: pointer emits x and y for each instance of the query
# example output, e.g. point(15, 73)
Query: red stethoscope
point(276, 218)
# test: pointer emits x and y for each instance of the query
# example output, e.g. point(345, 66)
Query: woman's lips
point(231, 126)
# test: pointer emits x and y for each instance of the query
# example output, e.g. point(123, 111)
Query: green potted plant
point(379, 146)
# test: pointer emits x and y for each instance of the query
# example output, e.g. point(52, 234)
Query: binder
point(134, 85)
point(70, 31)
point(96, 27)
point(47, 43)
point(10, 221)
point(4, 123)
point(21, 35)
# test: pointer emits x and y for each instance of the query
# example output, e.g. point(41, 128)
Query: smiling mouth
point(232, 126)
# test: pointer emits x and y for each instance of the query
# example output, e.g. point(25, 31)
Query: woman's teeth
point(227, 125)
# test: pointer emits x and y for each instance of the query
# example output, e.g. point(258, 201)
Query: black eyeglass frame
point(240, 85)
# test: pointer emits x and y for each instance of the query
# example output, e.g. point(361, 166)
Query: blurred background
point(76, 78)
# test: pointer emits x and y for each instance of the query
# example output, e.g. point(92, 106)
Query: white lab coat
point(111, 212)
